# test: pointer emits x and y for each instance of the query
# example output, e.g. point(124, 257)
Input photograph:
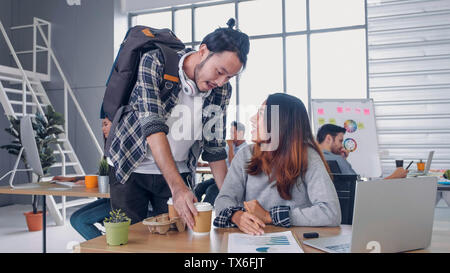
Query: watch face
point(350, 144)
point(350, 126)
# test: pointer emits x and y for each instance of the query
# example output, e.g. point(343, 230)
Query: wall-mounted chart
point(358, 118)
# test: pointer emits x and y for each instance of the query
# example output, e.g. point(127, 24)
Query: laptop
point(389, 216)
point(427, 167)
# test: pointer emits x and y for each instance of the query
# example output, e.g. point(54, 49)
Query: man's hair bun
point(231, 23)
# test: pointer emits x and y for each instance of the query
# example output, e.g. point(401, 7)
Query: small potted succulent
point(103, 179)
point(116, 228)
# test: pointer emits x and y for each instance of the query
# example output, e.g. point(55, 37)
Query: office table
point(142, 241)
point(46, 188)
point(442, 187)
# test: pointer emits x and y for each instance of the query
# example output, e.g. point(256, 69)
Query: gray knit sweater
point(314, 200)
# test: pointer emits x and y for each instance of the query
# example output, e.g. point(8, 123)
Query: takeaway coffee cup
point(172, 212)
point(203, 218)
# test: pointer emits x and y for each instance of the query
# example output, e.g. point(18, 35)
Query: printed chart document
point(277, 242)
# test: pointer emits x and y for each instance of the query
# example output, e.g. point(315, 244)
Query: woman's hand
point(79, 182)
point(248, 223)
point(64, 179)
point(256, 209)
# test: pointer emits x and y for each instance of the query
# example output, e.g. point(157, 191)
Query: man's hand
point(248, 223)
point(344, 153)
point(398, 173)
point(183, 198)
point(256, 209)
point(183, 202)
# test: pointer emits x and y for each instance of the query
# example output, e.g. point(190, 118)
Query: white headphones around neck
point(187, 85)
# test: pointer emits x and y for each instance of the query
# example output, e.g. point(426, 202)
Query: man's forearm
point(163, 157)
point(219, 170)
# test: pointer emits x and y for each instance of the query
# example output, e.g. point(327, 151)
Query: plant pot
point(117, 233)
point(91, 181)
point(34, 221)
point(103, 184)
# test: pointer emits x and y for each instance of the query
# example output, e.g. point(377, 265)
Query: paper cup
point(172, 212)
point(203, 219)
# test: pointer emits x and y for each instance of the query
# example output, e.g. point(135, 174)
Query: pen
point(409, 164)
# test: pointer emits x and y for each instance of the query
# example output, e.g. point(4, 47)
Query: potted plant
point(46, 132)
point(103, 178)
point(117, 227)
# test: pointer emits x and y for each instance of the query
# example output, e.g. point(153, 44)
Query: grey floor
point(15, 237)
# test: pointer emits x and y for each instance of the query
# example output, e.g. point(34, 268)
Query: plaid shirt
point(279, 214)
point(149, 113)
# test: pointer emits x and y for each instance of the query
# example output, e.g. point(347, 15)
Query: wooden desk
point(442, 187)
point(46, 188)
point(142, 241)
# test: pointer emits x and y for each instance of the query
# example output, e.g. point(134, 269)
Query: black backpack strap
point(170, 77)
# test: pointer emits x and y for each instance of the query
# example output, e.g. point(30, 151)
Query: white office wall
point(409, 79)
point(140, 5)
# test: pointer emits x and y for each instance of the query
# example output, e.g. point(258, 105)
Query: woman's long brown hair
point(290, 160)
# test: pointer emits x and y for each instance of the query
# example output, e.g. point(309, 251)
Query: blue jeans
point(83, 220)
point(208, 187)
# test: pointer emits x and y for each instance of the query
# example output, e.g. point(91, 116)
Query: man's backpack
point(123, 76)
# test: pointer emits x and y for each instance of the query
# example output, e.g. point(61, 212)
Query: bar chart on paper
point(278, 242)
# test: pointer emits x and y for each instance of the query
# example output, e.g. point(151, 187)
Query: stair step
point(26, 114)
point(20, 92)
point(12, 79)
point(64, 152)
point(15, 73)
point(68, 164)
point(17, 102)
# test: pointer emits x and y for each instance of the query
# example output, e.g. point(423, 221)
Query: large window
point(307, 48)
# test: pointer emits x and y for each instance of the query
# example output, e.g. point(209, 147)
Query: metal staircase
point(22, 93)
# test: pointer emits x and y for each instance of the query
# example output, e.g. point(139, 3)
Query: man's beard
point(197, 70)
point(335, 151)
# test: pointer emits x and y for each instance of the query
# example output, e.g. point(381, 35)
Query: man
point(151, 164)
point(210, 187)
point(237, 141)
point(330, 138)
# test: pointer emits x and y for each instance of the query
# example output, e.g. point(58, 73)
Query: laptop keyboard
point(342, 248)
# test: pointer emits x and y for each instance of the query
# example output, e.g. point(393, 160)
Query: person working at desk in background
point(209, 187)
point(150, 163)
point(278, 180)
point(330, 138)
point(84, 219)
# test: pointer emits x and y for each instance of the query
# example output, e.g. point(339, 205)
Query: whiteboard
point(361, 140)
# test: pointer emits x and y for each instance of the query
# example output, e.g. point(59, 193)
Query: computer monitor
point(29, 145)
point(31, 153)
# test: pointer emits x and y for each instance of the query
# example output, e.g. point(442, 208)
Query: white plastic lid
point(170, 202)
point(203, 206)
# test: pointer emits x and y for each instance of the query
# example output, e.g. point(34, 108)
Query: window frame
point(284, 34)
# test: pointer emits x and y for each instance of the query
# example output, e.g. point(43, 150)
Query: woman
point(84, 219)
point(280, 180)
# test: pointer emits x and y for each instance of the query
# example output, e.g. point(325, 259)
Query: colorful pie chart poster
point(357, 117)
